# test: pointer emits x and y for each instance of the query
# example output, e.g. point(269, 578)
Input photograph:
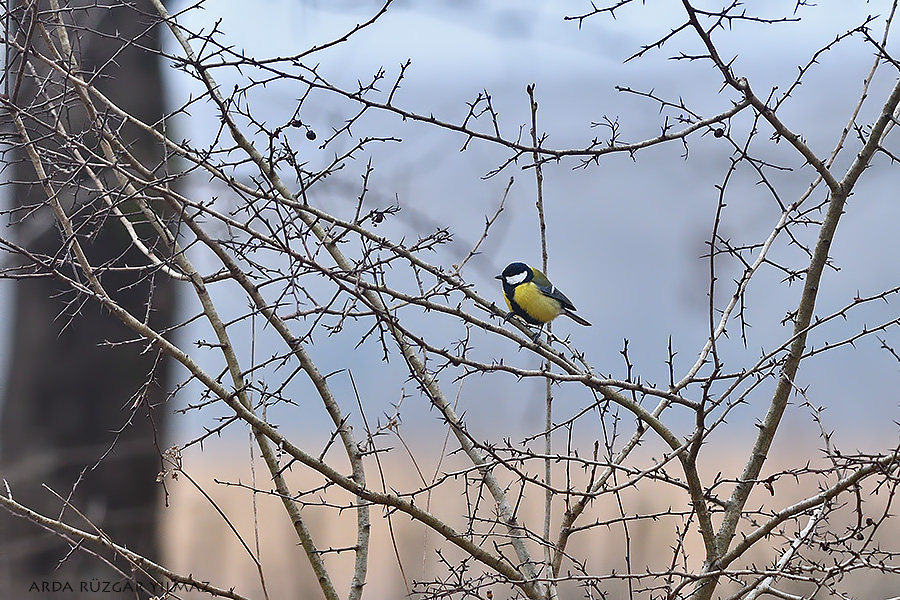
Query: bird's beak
point(498, 277)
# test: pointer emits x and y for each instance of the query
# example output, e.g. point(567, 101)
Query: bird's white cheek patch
point(516, 279)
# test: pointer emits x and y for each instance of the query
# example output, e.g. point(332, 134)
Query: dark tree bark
point(81, 410)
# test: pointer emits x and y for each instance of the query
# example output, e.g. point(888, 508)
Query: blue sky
point(626, 235)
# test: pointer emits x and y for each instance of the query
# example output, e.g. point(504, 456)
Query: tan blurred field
point(200, 542)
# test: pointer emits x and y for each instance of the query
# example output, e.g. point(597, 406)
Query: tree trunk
point(82, 413)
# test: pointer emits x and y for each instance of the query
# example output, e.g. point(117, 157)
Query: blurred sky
point(625, 236)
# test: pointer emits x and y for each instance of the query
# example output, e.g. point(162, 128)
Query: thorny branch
point(315, 275)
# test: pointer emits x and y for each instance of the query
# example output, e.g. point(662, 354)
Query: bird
point(531, 296)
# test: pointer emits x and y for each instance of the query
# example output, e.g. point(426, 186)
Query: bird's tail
point(576, 318)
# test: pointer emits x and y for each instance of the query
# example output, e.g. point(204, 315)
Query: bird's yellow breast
point(536, 304)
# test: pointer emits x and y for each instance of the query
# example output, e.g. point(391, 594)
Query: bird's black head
point(515, 273)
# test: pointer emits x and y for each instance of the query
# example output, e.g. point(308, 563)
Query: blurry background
point(626, 236)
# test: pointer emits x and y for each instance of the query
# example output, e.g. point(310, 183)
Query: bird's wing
point(552, 291)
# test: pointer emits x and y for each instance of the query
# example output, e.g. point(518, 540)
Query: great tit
point(530, 295)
